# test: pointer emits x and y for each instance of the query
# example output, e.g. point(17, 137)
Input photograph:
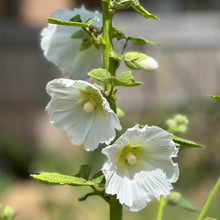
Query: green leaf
point(79, 34)
point(215, 97)
point(100, 74)
point(143, 11)
point(124, 79)
point(84, 171)
point(141, 41)
point(60, 179)
point(67, 23)
point(101, 88)
point(86, 43)
point(76, 18)
point(185, 143)
point(127, 79)
point(118, 33)
point(89, 21)
point(176, 199)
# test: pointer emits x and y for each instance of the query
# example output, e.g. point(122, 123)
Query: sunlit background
point(188, 34)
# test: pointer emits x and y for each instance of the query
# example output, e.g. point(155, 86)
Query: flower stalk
point(163, 203)
point(108, 48)
point(115, 206)
point(115, 209)
point(208, 202)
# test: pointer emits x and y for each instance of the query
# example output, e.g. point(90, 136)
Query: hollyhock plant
point(140, 166)
point(80, 109)
point(63, 49)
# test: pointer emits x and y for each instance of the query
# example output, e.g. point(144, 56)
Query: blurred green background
point(188, 33)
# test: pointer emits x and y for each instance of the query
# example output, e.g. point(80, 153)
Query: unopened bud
point(120, 4)
point(135, 60)
point(173, 198)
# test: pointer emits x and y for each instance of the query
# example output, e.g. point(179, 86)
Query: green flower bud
point(178, 123)
point(173, 198)
point(135, 60)
point(120, 4)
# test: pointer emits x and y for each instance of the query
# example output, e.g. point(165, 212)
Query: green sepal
point(60, 179)
point(136, 5)
point(120, 112)
point(132, 60)
point(123, 79)
point(116, 59)
point(176, 199)
point(67, 23)
point(183, 143)
point(118, 33)
point(215, 97)
point(140, 41)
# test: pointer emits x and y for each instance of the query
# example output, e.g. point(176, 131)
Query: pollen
point(131, 158)
point(89, 107)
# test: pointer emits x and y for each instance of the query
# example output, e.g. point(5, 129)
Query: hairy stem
point(108, 48)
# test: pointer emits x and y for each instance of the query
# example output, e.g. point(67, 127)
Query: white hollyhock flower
point(140, 166)
point(64, 51)
point(79, 108)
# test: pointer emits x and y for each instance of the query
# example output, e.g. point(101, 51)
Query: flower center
point(128, 155)
point(89, 106)
point(131, 158)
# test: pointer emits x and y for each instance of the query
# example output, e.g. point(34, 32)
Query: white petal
point(60, 48)
point(67, 110)
point(137, 184)
point(135, 194)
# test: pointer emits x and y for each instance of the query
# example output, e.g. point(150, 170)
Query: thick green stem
point(163, 203)
point(115, 209)
point(107, 37)
point(208, 202)
point(108, 48)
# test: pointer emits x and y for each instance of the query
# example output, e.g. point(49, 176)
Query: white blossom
point(140, 167)
point(80, 109)
point(64, 51)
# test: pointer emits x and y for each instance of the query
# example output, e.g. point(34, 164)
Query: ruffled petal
point(151, 176)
